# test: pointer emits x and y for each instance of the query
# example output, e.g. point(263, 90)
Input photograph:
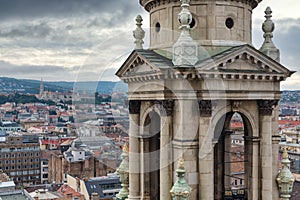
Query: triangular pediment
point(141, 62)
point(243, 59)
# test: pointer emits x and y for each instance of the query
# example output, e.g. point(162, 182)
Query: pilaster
point(266, 153)
point(134, 150)
point(206, 158)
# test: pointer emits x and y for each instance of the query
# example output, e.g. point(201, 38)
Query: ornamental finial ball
point(181, 163)
point(139, 19)
point(125, 148)
point(268, 11)
point(285, 154)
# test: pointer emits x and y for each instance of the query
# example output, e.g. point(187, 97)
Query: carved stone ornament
point(266, 106)
point(268, 47)
point(139, 33)
point(165, 106)
point(185, 50)
point(134, 107)
point(235, 105)
point(205, 108)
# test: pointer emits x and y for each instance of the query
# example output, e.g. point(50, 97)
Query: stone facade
point(210, 19)
point(184, 111)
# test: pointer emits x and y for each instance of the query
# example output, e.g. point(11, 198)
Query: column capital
point(165, 106)
point(266, 106)
point(205, 108)
point(134, 106)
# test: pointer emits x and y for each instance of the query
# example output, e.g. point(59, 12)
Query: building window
point(229, 23)
point(157, 27)
point(193, 23)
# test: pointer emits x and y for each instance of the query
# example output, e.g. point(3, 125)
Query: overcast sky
point(88, 39)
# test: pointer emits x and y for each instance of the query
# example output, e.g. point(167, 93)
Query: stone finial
point(123, 171)
point(139, 33)
point(125, 148)
point(185, 50)
point(285, 178)
point(268, 46)
point(180, 190)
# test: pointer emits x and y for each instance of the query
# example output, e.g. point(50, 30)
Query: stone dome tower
point(215, 22)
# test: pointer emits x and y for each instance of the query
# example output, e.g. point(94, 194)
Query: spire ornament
point(285, 178)
point(181, 190)
point(268, 47)
point(185, 50)
point(139, 33)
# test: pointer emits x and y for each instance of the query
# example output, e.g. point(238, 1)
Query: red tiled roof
point(237, 125)
point(65, 190)
point(289, 122)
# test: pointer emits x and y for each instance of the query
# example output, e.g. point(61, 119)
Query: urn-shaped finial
point(268, 46)
point(139, 33)
point(185, 50)
point(123, 172)
point(285, 178)
point(180, 190)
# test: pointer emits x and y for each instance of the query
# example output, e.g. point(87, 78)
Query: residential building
point(106, 187)
point(20, 158)
point(77, 161)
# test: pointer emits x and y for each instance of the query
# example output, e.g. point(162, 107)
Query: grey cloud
point(56, 72)
point(40, 30)
point(41, 8)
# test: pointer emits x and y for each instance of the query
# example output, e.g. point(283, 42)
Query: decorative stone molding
point(165, 106)
point(235, 105)
point(205, 108)
point(139, 33)
point(185, 50)
point(151, 4)
point(266, 106)
point(268, 47)
point(134, 106)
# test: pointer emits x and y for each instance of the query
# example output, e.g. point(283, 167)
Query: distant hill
point(9, 85)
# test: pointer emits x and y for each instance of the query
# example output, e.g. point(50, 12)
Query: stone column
point(185, 140)
point(275, 152)
point(206, 153)
point(252, 175)
point(166, 111)
point(275, 148)
point(266, 154)
point(227, 160)
point(145, 169)
point(134, 150)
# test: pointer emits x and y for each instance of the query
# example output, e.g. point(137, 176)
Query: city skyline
point(73, 40)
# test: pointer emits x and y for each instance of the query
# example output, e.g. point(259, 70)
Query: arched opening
point(151, 148)
point(232, 157)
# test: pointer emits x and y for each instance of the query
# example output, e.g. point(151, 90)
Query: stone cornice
point(255, 76)
point(150, 4)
